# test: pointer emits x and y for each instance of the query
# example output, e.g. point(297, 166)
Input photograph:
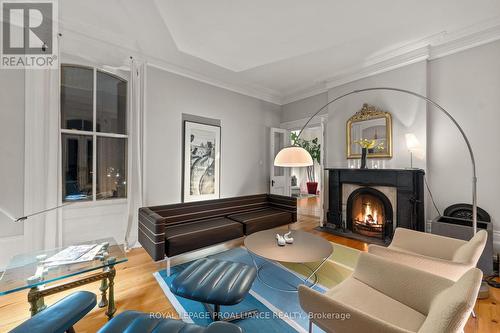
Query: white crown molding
point(356, 73)
point(84, 33)
point(303, 93)
point(256, 92)
point(466, 39)
point(374, 68)
point(430, 48)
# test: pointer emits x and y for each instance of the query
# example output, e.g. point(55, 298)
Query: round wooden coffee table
point(306, 248)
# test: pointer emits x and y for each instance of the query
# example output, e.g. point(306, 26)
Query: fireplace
point(368, 204)
point(369, 213)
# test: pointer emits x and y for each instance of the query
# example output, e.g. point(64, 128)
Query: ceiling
point(277, 50)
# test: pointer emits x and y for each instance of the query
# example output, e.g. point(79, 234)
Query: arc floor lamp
point(293, 156)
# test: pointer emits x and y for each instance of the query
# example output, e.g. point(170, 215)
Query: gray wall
point(465, 83)
point(304, 108)
point(468, 84)
point(408, 113)
point(245, 121)
point(11, 149)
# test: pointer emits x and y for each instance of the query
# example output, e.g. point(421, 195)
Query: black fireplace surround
point(409, 184)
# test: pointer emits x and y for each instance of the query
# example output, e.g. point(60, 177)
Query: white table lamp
point(413, 146)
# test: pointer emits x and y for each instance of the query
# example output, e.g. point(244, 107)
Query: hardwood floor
point(137, 289)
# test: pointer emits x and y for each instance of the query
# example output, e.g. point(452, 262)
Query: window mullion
point(94, 139)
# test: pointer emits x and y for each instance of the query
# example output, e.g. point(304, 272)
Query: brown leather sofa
point(170, 230)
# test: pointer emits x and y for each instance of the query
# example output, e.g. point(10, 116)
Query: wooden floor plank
point(137, 289)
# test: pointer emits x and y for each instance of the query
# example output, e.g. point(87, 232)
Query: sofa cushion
point(198, 234)
point(262, 219)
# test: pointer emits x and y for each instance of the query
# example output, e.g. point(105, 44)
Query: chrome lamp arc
point(294, 156)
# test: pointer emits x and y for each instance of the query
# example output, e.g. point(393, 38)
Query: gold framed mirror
point(369, 123)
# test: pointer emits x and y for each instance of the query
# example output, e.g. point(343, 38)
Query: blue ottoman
point(216, 282)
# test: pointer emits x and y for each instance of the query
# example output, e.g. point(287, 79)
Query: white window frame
point(96, 134)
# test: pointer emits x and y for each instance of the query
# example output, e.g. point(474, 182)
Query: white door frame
point(319, 121)
point(285, 179)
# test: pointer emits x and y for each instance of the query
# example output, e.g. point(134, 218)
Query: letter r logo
point(27, 27)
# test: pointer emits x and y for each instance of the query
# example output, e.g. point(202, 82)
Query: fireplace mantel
point(409, 184)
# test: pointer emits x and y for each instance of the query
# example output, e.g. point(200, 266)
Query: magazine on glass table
point(74, 254)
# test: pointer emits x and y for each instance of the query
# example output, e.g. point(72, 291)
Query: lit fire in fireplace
point(368, 215)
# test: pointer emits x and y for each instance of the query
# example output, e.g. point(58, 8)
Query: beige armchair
point(443, 256)
point(386, 297)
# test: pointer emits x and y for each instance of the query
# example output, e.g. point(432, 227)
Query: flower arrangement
point(370, 144)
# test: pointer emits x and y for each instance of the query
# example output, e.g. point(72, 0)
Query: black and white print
point(201, 161)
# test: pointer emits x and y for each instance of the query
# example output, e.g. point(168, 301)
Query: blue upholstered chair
point(138, 322)
point(60, 318)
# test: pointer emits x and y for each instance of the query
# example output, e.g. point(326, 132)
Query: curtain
point(42, 158)
point(135, 144)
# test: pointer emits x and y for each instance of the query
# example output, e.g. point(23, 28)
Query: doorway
point(279, 183)
point(307, 183)
point(310, 199)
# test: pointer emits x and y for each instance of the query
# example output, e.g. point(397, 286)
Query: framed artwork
point(201, 161)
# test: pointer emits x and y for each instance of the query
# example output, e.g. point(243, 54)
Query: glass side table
point(28, 271)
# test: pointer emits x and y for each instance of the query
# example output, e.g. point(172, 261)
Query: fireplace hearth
point(368, 204)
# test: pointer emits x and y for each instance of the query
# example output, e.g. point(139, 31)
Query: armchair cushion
point(451, 308)
point(470, 252)
point(366, 299)
point(426, 244)
point(320, 307)
point(447, 257)
point(410, 286)
point(444, 268)
point(59, 317)
point(384, 296)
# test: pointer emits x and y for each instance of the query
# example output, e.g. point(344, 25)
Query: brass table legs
point(37, 303)
point(111, 285)
point(107, 277)
point(103, 288)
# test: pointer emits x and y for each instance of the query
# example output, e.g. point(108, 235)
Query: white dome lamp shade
point(293, 156)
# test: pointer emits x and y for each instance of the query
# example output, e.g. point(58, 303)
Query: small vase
point(364, 154)
point(312, 187)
